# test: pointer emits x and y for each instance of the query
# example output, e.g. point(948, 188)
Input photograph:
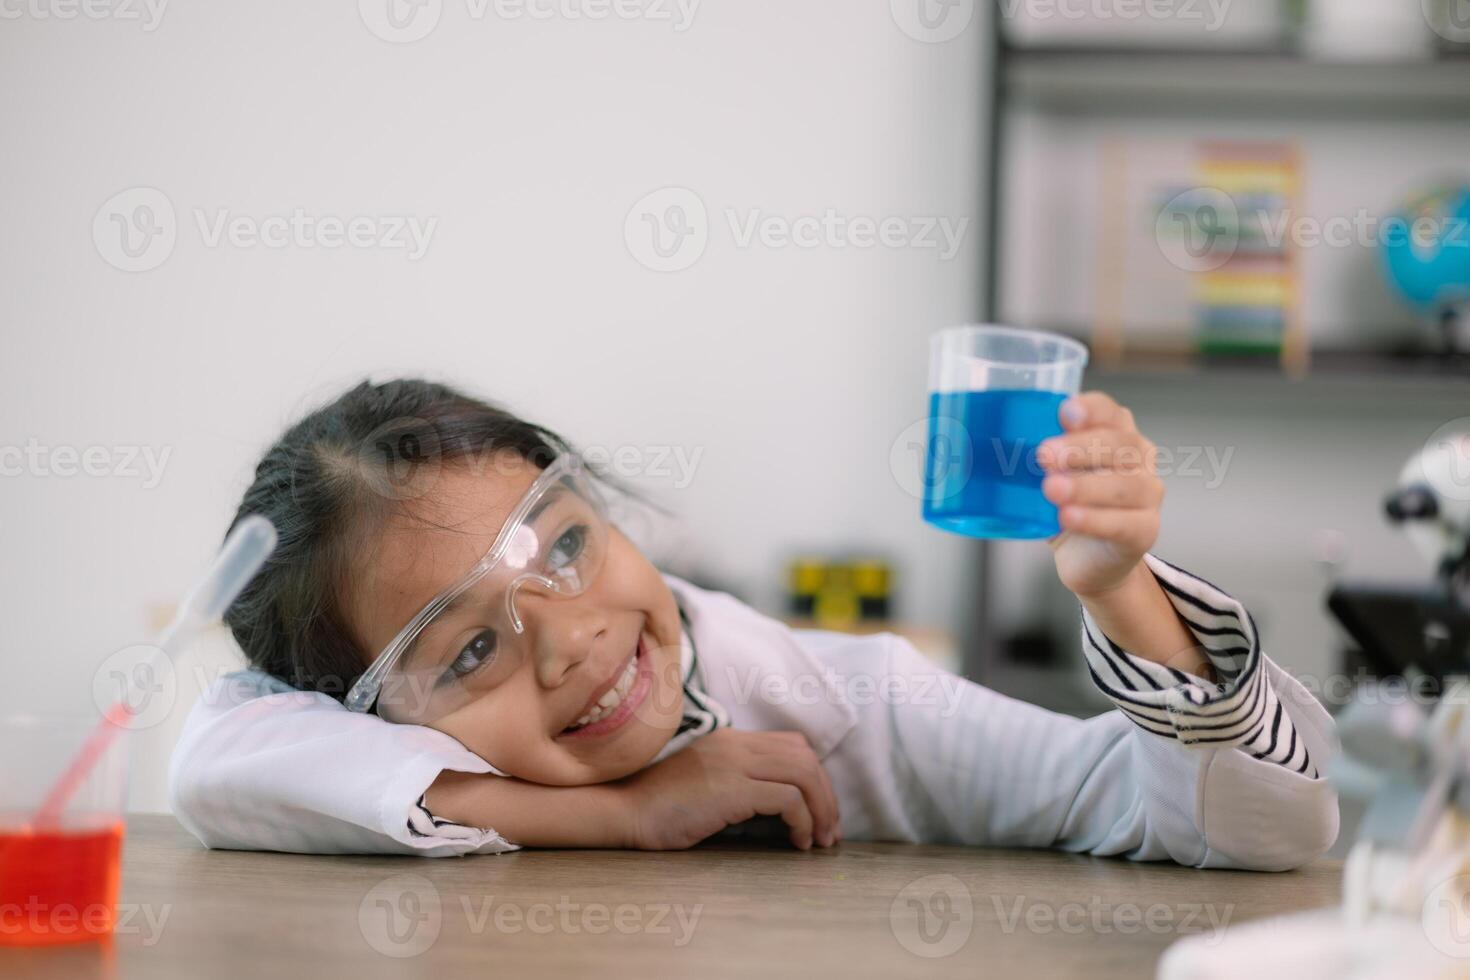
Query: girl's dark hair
point(332, 478)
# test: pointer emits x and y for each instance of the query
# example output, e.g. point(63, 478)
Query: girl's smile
point(615, 701)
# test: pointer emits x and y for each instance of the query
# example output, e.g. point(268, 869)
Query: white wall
point(793, 370)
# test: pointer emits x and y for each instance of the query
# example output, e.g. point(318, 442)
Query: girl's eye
point(476, 654)
point(568, 548)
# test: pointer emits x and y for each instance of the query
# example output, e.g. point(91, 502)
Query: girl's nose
point(563, 634)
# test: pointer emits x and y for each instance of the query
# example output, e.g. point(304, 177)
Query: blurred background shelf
point(1337, 363)
point(1269, 82)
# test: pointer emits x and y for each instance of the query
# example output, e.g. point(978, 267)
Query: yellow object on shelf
point(839, 593)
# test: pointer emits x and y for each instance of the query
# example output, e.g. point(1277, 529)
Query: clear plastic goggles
point(475, 632)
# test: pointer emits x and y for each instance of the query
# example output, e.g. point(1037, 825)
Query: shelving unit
point(1267, 82)
point(1335, 362)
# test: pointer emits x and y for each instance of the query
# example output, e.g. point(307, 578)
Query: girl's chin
point(647, 732)
point(589, 772)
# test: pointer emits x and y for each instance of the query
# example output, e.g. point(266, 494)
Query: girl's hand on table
point(726, 778)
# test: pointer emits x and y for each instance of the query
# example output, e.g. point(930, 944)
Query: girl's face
point(579, 648)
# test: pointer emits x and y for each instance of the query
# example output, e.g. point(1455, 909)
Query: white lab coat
point(914, 753)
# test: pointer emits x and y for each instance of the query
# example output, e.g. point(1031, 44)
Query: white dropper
point(244, 552)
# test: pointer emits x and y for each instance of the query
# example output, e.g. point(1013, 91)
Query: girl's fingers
point(790, 759)
point(1103, 488)
point(1095, 409)
point(1098, 449)
point(1133, 529)
point(811, 785)
point(795, 748)
point(785, 801)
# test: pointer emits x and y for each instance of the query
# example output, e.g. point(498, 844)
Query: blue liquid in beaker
point(981, 477)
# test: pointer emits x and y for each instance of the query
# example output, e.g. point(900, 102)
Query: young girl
point(455, 651)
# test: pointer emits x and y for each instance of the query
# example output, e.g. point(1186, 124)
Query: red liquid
point(58, 886)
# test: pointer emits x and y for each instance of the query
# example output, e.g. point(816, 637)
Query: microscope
point(1405, 754)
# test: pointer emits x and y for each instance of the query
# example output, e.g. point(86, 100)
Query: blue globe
point(1426, 250)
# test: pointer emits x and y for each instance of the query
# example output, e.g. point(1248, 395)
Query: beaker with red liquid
point(58, 876)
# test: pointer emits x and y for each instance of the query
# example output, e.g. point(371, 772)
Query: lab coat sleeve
point(261, 766)
point(1255, 707)
point(1261, 800)
point(936, 758)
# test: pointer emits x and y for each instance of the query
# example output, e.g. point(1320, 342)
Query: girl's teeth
point(612, 697)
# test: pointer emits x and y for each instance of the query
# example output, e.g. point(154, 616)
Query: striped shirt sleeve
point(422, 823)
point(1241, 711)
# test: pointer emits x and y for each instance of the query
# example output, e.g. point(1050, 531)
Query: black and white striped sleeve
point(422, 823)
point(1242, 711)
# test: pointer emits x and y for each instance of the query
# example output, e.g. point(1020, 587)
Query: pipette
point(243, 553)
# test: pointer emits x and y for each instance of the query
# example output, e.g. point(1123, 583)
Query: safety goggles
point(473, 634)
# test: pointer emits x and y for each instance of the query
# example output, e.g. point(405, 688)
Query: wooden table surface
point(723, 910)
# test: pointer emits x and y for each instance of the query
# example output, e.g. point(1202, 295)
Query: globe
point(1426, 251)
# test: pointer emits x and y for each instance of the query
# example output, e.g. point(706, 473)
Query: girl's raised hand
point(1101, 476)
point(726, 778)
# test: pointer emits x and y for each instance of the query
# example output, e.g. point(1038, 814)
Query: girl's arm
point(261, 766)
point(1137, 615)
point(1176, 654)
point(724, 778)
point(949, 761)
point(530, 814)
